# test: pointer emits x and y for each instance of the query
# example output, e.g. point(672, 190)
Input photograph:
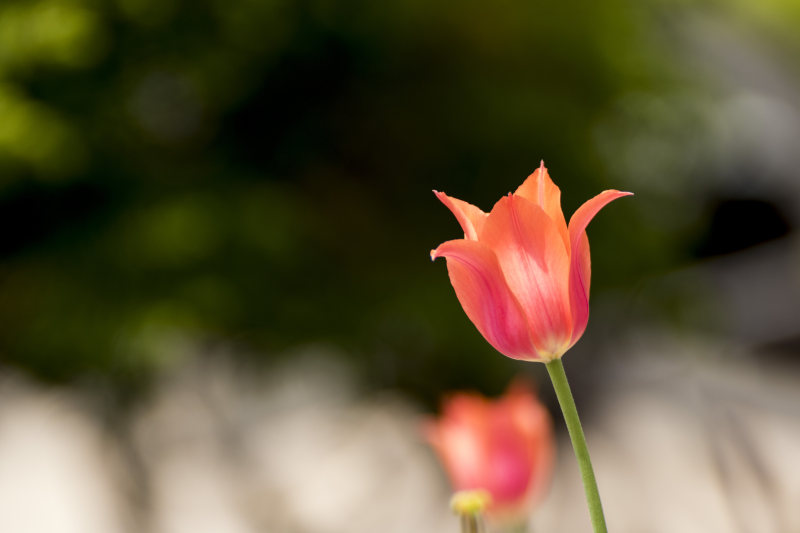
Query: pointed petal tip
point(442, 197)
point(433, 255)
point(446, 200)
point(612, 194)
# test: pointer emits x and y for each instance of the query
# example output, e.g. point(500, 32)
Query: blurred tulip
point(521, 274)
point(504, 447)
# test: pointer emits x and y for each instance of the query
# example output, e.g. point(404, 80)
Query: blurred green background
point(177, 175)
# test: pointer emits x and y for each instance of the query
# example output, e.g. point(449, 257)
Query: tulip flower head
point(503, 447)
point(520, 272)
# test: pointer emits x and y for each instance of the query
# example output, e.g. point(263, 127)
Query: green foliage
point(173, 172)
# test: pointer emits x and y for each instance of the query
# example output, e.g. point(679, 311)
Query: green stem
point(556, 370)
point(471, 523)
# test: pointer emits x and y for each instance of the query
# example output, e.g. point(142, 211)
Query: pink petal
point(470, 217)
point(461, 438)
point(540, 189)
point(481, 288)
point(535, 264)
point(533, 421)
point(580, 267)
point(509, 463)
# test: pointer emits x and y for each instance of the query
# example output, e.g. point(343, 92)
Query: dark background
point(176, 176)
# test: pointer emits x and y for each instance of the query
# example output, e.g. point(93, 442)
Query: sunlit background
point(217, 309)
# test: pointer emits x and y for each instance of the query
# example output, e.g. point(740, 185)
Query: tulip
point(522, 276)
point(504, 447)
point(520, 272)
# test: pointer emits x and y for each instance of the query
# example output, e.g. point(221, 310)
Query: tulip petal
point(470, 217)
point(507, 474)
point(533, 422)
point(461, 438)
point(580, 267)
point(540, 189)
point(536, 267)
point(482, 290)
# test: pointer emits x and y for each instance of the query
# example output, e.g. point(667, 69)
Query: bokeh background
point(217, 310)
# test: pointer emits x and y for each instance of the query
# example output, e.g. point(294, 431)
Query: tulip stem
point(471, 524)
point(556, 370)
point(469, 505)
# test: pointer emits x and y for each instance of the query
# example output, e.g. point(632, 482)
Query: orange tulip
point(504, 447)
point(520, 272)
